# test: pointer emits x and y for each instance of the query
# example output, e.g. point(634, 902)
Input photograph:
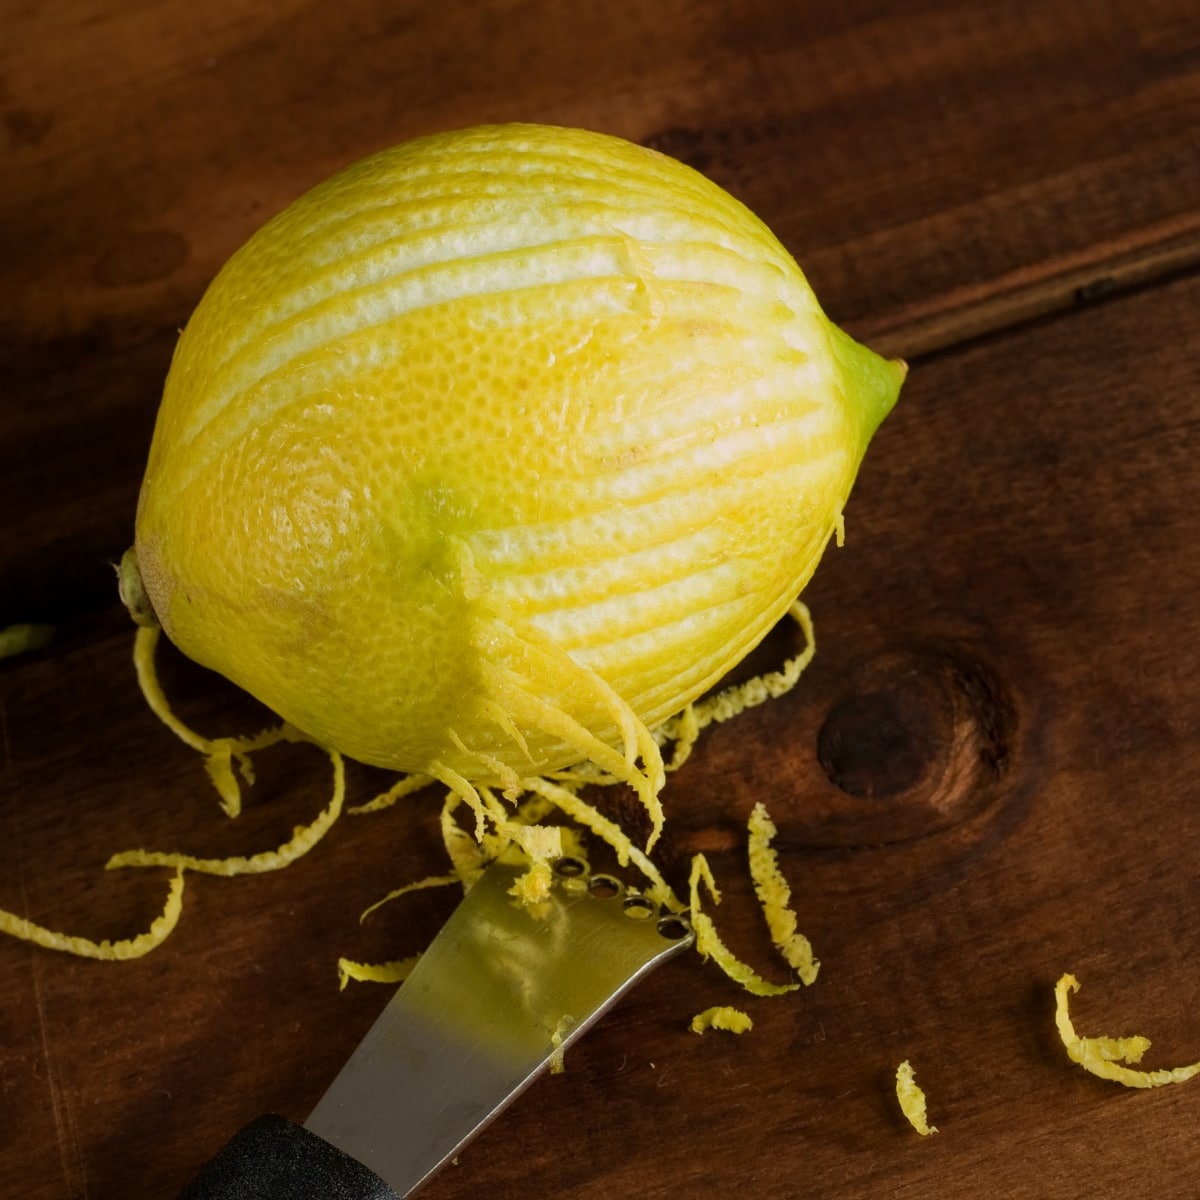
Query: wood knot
point(880, 743)
point(915, 745)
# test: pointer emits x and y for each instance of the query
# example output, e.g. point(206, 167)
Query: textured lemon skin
point(495, 436)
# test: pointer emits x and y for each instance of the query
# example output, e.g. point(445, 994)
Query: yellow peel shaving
point(733, 1020)
point(404, 786)
point(303, 839)
point(735, 700)
point(1103, 1056)
point(912, 1100)
point(22, 639)
point(387, 972)
point(219, 753)
point(467, 856)
point(709, 944)
point(775, 897)
point(420, 885)
point(122, 950)
point(556, 1061)
point(608, 831)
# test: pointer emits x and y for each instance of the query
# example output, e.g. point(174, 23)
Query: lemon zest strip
point(467, 856)
point(387, 972)
point(419, 885)
point(912, 1100)
point(556, 1062)
point(509, 689)
point(106, 950)
point(1103, 1056)
point(219, 753)
point(303, 839)
point(722, 1016)
point(404, 786)
point(710, 945)
point(609, 832)
point(733, 701)
point(775, 897)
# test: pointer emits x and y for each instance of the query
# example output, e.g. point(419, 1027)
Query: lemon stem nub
point(133, 591)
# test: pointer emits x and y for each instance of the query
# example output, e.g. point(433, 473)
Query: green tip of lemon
point(872, 380)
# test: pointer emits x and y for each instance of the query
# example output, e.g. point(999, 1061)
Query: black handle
point(273, 1159)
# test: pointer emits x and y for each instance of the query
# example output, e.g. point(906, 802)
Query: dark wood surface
point(988, 776)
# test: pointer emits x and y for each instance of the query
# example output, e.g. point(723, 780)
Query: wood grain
point(987, 776)
point(1015, 607)
point(940, 170)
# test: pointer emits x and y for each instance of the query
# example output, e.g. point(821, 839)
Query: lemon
point(495, 450)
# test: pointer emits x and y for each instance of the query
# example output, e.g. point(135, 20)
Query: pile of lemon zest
point(118, 951)
point(533, 710)
point(24, 638)
point(1103, 1056)
point(303, 839)
point(775, 897)
point(732, 1020)
point(686, 733)
point(533, 886)
point(556, 1061)
point(710, 945)
point(404, 786)
point(609, 832)
point(219, 753)
point(465, 790)
point(912, 1100)
point(420, 885)
point(541, 844)
point(386, 972)
point(508, 779)
point(466, 855)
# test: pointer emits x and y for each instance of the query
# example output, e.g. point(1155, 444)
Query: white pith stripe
point(520, 168)
point(599, 516)
point(318, 329)
point(345, 313)
point(361, 261)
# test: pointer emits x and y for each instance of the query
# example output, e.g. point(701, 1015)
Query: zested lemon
point(496, 449)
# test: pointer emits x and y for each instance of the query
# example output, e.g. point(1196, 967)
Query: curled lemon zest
point(541, 844)
point(404, 786)
point(735, 700)
point(509, 688)
point(687, 733)
point(304, 838)
point(221, 753)
point(386, 972)
point(467, 856)
point(556, 1061)
point(710, 945)
point(608, 831)
point(23, 639)
point(722, 1016)
point(419, 885)
point(109, 951)
point(912, 1100)
point(775, 897)
point(1104, 1056)
point(467, 791)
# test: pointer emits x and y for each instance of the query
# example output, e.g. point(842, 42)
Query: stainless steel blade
point(501, 986)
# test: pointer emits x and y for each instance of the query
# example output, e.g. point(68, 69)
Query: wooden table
point(988, 777)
